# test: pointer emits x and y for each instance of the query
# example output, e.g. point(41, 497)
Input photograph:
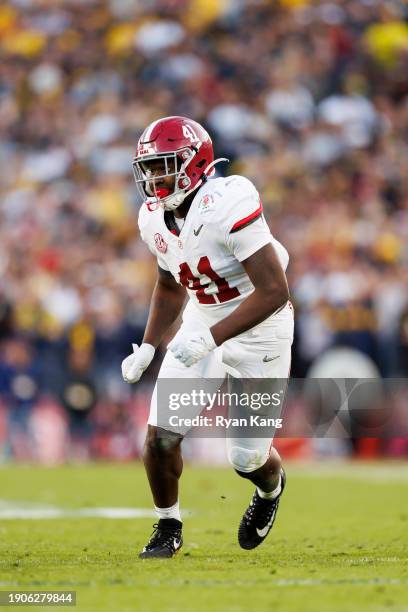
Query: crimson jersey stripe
point(247, 220)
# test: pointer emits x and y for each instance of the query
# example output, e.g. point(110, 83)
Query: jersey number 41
point(224, 292)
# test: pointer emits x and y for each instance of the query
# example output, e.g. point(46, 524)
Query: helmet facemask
point(174, 165)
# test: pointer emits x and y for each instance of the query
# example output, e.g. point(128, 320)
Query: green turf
point(339, 543)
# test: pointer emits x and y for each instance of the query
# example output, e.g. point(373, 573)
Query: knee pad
point(245, 460)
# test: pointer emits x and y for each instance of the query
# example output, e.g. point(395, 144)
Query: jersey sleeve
point(143, 223)
point(244, 226)
point(249, 239)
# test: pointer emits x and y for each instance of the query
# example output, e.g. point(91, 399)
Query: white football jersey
point(224, 226)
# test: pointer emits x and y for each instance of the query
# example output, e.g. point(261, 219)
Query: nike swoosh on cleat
point(176, 544)
point(263, 532)
point(266, 358)
point(198, 230)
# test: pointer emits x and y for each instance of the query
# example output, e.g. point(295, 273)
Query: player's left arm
point(244, 232)
point(270, 294)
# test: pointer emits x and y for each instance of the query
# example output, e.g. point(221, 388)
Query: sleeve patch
point(247, 220)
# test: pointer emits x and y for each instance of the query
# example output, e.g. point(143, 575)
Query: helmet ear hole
point(184, 182)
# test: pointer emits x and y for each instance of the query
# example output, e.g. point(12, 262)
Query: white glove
point(135, 364)
point(192, 347)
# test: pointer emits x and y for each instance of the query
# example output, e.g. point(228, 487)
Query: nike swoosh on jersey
point(266, 358)
point(198, 230)
point(263, 532)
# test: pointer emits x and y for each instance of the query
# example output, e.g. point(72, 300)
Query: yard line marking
point(25, 510)
point(10, 510)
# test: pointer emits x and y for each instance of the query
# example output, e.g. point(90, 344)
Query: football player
point(212, 242)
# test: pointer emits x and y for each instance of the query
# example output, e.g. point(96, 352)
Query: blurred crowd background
point(309, 99)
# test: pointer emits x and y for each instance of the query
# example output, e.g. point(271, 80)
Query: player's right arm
point(165, 306)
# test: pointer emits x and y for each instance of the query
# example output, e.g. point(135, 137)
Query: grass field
point(340, 541)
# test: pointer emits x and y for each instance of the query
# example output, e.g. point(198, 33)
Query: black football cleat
point(259, 518)
point(166, 540)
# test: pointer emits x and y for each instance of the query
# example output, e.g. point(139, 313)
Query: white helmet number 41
point(189, 133)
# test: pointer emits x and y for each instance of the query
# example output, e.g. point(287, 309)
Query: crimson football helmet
point(186, 152)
